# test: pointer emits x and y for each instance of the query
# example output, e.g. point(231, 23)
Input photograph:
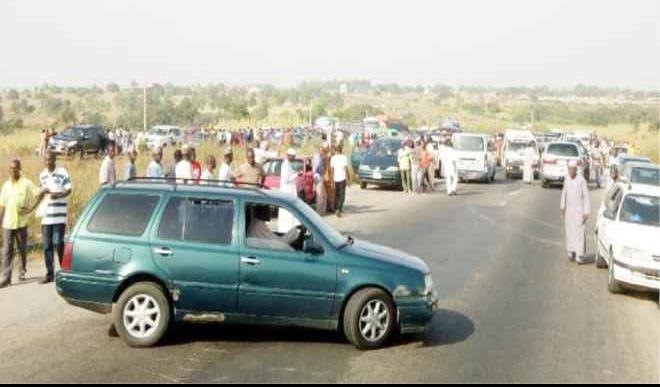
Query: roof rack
point(211, 182)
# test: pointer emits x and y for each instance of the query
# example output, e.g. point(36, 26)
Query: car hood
point(477, 155)
point(639, 236)
point(382, 162)
point(61, 137)
point(386, 255)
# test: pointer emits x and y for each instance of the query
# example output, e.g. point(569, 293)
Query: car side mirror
point(312, 247)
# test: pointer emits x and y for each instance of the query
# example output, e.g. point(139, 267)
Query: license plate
point(378, 175)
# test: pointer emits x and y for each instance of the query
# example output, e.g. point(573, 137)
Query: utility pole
point(144, 107)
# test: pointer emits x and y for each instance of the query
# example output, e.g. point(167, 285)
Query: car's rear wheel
point(612, 284)
point(363, 185)
point(369, 319)
point(142, 315)
point(600, 260)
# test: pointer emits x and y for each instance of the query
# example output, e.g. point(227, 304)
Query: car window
point(563, 150)
point(647, 176)
point(198, 220)
point(271, 227)
point(641, 209)
point(123, 214)
point(614, 205)
point(469, 143)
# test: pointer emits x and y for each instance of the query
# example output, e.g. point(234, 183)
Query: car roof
point(632, 157)
point(641, 189)
point(642, 165)
point(246, 191)
point(472, 134)
point(562, 143)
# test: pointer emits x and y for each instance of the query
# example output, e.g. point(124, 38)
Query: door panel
point(205, 273)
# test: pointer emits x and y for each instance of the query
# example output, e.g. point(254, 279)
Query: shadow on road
point(447, 327)
point(354, 210)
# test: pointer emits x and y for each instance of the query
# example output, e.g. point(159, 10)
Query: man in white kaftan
point(575, 209)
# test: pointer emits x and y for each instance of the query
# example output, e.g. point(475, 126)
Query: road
point(512, 310)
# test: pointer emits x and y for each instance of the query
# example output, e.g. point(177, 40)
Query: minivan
point(153, 252)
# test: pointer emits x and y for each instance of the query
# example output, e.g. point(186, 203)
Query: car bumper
point(416, 313)
point(472, 175)
point(60, 149)
point(381, 178)
point(90, 292)
point(638, 276)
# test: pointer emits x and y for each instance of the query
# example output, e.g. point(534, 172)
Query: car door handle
point(164, 251)
point(252, 261)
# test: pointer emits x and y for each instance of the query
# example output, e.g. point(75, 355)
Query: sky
point(559, 43)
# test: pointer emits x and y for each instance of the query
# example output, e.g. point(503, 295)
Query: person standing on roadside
point(225, 174)
point(339, 165)
point(155, 169)
point(575, 210)
point(195, 165)
point(16, 198)
point(53, 209)
point(319, 166)
point(425, 165)
point(251, 172)
point(451, 172)
point(183, 170)
point(405, 165)
point(209, 171)
point(131, 169)
point(108, 171)
point(416, 167)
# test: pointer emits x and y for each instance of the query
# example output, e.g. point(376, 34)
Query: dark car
point(380, 165)
point(79, 139)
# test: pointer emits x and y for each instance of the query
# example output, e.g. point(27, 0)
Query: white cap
point(291, 152)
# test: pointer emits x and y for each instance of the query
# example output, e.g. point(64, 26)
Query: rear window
point(198, 220)
point(639, 209)
point(469, 143)
point(647, 176)
point(563, 150)
point(123, 214)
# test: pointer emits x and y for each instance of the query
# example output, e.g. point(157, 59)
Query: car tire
point(612, 284)
point(151, 328)
point(376, 306)
point(363, 185)
point(600, 260)
point(545, 184)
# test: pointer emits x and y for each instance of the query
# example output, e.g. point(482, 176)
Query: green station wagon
point(156, 253)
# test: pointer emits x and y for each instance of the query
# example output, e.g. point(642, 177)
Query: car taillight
point(67, 259)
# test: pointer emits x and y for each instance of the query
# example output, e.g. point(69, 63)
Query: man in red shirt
point(196, 166)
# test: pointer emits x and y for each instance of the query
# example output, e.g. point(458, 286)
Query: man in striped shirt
point(53, 209)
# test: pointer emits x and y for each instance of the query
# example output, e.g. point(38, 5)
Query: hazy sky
point(497, 42)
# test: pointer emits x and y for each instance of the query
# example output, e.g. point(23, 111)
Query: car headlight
point(365, 168)
point(393, 169)
point(631, 253)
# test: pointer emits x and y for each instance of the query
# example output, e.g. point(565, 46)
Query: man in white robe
point(529, 158)
point(285, 220)
point(575, 209)
point(451, 172)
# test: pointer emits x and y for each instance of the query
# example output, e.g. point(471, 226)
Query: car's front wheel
point(370, 319)
point(142, 315)
point(612, 284)
point(600, 260)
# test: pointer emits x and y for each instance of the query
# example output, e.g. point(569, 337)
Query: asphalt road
point(512, 310)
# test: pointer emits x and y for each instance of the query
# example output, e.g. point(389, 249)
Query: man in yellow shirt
point(17, 199)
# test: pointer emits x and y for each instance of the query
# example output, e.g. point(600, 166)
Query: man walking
point(575, 210)
point(16, 197)
point(108, 171)
point(339, 165)
point(56, 185)
point(451, 173)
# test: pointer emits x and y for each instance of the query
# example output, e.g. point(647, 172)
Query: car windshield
point(563, 150)
point(515, 146)
point(334, 237)
point(158, 132)
point(648, 176)
point(469, 143)
point(72, 132)
point(641, 209)
point(386, 148)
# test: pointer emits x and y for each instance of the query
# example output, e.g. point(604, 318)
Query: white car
point(162, 136)
point(475, 156)
point(627, 235)
point(513, 153)
point(556, 157)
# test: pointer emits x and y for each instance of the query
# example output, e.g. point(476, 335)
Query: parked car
point(155, 253)
point(162, 136)
point(380, 165)
point(624, 160)
point(79, 139)
point(627, 231)
point(556, 157)
point(475, 157)
point(273, 170)
point(642, 173)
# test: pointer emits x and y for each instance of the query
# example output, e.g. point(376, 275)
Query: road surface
point(512, 310)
